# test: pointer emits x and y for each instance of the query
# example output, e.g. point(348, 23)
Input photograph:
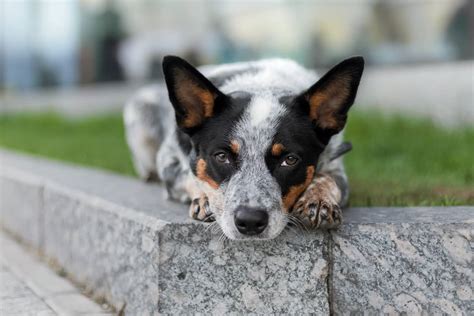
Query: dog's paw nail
point(337, 215)
point(207, 209)
point(297, 210)
point(324, 211)
point(312, 211)
point(209, 218)
point(196, 210)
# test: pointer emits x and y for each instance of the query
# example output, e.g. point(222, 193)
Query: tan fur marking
point(198, 102)
point(324, 104)
point(202, 174)
point(192, 119)
point(295, 191)
point(207, 98)
point(277, 149)
point(235, 146)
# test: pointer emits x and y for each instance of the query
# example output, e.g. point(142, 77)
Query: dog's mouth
point(252, 224)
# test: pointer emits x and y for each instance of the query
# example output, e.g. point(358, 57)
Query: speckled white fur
point(253, 185)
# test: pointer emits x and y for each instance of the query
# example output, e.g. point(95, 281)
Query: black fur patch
point(214, 136)
point(297, 135)
point(184, 141)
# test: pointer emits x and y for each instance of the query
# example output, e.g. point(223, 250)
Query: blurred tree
point(388, 21)
point(110, 32)
point(460, 31)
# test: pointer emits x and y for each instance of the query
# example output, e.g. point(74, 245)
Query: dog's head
point(255, 153)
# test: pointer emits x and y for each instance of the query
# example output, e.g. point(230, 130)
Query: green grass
point(96, 141)
point(395, 161)
point(402, 161)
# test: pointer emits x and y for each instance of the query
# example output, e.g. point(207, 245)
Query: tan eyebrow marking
point(201, 173)
point(235, 146)
point(277, 149)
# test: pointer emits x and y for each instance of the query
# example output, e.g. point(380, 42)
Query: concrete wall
point(442, 92)
point(120, 238)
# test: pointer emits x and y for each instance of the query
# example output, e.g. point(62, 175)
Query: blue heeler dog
point(251, 145)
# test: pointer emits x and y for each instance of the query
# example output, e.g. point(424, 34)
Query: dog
point(253, 145)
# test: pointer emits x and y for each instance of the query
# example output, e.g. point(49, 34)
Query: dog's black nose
point(250, 221)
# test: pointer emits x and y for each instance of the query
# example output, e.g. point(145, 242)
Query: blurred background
point(83, 58)
point(64, 43)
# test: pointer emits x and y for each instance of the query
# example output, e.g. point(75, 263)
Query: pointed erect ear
point(192, 95)
point(328, 101)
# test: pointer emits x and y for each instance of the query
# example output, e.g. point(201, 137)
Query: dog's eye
point(289, 161)
point(222, 157)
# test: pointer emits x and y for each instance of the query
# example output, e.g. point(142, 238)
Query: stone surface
point(119, 237)
point(16, 215)
point(115, 256)
point(406, 215)
point(17, 299)
point(198, 272)
point(28, 287)
point(121, 190)
point(36, 275)
point(403, 268)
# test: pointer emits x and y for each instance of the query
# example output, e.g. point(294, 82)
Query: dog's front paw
point(200, 209)
point(317, 208)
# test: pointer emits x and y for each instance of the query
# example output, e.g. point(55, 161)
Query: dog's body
point(251, 146)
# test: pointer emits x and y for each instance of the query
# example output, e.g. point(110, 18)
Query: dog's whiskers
point(292, 230)
point(210, 227)
point(298, 224)
point(215, 229)
point(222, 238)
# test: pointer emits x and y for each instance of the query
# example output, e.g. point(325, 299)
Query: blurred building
point(71, 42)
point(39, 43)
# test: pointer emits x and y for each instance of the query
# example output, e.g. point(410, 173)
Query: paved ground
point(16, 298)
point(29, 287)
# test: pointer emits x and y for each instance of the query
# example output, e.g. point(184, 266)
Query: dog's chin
point(262, 236)
point(231, 232)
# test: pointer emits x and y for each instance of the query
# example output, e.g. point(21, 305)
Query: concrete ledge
point(119, 236)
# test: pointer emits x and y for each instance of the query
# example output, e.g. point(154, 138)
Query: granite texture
point(199, 272)
point(154, 260)
point(115, 256)
point(17, 196)
point(146, 198)
point(403, 268)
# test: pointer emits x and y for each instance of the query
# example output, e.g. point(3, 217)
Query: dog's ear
point(193, 96)
point(328, 100)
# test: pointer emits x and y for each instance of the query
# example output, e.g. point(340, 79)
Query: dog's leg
point(199, 208)
point(181, 184)
point(144, 116)
point(319, 205)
